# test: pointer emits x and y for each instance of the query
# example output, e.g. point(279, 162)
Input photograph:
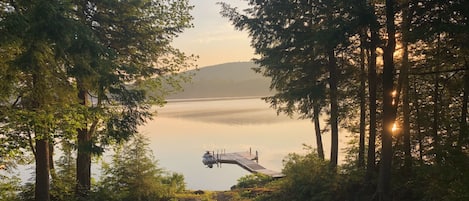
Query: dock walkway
point(247, 161)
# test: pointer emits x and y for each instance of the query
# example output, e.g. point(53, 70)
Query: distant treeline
point(225, 80)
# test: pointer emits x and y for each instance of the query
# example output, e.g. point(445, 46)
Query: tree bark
point(418, 122)
point(436, 116)
point(384, 182)
point(463, 128)
point(333, 74)
point(406, 111)
point(83, 154)
point(372, 80)
point(51, 156)
point(404, 74)
point(41, 191)
point(317, 129)
point(52, 173)
point(361, 144)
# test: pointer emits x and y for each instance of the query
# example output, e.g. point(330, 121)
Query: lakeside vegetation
point(394, 73)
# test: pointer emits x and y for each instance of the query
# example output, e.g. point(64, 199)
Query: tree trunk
point(436, 102)
point(418, 122)
point(372, 80)
point(361, 145)
point(333, 74)
point(83, 154)
point(384, 182)
point(53, 175)
point(41, 192)
point(405, 89)
point(406, 112)
point(463, 129)
point(317, 129)
point(51, 156)
point(436, 116)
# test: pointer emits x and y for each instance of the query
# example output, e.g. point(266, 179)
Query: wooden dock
point(247, 161)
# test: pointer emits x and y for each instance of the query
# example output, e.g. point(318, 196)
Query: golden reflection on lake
point(183, 131)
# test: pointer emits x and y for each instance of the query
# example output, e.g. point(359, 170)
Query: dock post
point(257, 157)
point(218, 158)
point(250, 151)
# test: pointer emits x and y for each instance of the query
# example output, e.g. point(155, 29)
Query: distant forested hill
point(225, 80)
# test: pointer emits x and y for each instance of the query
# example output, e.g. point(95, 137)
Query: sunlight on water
point(183, 131)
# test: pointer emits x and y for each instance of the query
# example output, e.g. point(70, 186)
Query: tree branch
point(31, 145)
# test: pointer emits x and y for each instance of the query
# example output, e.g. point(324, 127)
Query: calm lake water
point(183, 130)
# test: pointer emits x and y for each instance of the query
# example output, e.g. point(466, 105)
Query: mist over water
point(183, 130)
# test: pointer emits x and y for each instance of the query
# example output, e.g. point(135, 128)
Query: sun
point(394, 128)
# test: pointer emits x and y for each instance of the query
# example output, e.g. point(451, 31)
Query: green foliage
point(253, 181)
point(63, 181)
point(133, 175)
point(434, 182)
point(9, 187)
point(27, 192)
point(69, 65)
point(309, 178)
point(291, 38)
point(190, 196)
point(175, 183)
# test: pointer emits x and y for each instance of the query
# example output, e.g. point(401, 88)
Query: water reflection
point(231, 112)
point(183, 131)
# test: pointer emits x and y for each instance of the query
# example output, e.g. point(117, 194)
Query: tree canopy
point(412, 56)
point(79, 71)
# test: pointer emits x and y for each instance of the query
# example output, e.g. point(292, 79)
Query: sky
point(213, 38)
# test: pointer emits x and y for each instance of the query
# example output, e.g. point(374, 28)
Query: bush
point(9, 187)
point(253, 181)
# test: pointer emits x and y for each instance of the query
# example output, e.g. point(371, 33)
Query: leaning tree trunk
point(333, 77)
point(317, 129)
point(384, 182)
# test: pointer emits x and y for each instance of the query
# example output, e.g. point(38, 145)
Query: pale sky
point(213, 38)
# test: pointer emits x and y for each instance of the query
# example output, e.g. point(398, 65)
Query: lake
point(184, 129)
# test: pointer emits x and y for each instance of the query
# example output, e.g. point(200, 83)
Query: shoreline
point(177, 100)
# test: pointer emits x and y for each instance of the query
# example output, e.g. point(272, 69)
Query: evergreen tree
point(64, 178)
point(133, 175)
point(117, 43)
point(41, 91)
point(298, 42)
point(83, 67)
